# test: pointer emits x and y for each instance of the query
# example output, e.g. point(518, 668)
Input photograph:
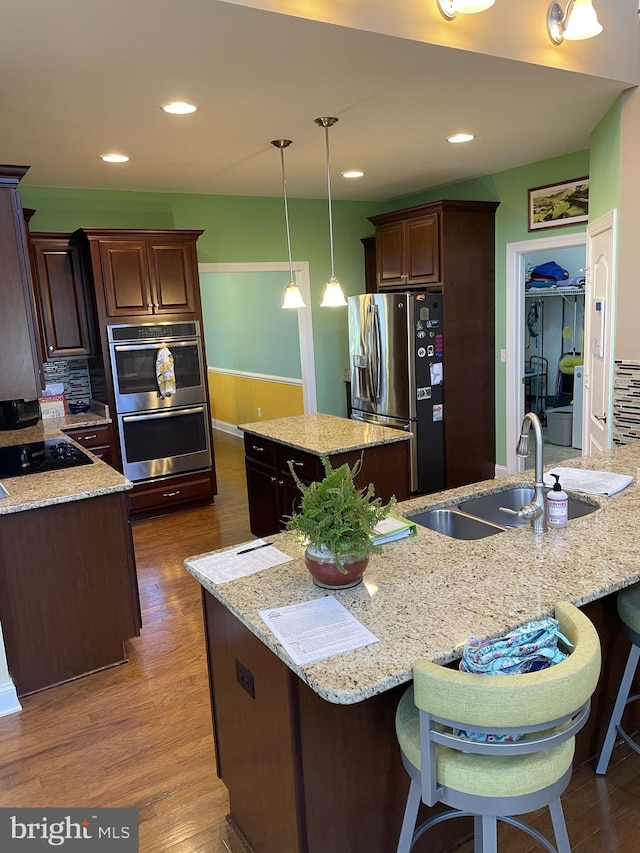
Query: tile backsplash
point(626, 402)
point(74, 374)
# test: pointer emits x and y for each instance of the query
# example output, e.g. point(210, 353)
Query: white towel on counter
point(590, 482)
point(165, 372)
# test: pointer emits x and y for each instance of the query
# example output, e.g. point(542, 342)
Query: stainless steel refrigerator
point(396, 353)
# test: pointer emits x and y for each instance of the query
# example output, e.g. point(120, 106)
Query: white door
point(599, 312)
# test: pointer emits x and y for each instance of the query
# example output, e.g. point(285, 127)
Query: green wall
point(510, 188)
point(239, 229)
point(604, 150)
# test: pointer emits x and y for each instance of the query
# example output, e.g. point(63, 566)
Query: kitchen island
point(309, 753)
point(68, 587)
point(302, 440)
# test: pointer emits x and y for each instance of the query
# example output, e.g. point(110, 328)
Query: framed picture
point(559, 204)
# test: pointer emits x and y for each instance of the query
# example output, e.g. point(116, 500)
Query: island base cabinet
point(68, 590)
point(304, 775)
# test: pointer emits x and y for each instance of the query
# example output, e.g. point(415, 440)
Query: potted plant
point(335, 522)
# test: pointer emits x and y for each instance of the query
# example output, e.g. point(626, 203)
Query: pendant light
point(292, 296)
point(333, 295)
point(576, 22)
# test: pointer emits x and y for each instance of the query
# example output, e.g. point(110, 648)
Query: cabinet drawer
point(306, 465)
point(158, 496)
point(260, 449)
point(93, 436)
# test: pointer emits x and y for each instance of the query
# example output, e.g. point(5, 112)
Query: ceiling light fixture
point(460, 137)
point(292, 297)
point(333, 295)
point(179, 108)
point(114, 158)
point(352, 173)
point(578, 21)
point(451, 8)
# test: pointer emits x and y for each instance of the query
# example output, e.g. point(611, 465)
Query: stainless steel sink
point(455, 524)
point(487, 507)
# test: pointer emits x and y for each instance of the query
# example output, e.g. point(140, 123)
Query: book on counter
point(391, 528)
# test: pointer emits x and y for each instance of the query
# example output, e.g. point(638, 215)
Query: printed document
point(315, 630)
point(238, 562)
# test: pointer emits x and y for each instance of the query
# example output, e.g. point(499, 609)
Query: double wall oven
point(160, 435)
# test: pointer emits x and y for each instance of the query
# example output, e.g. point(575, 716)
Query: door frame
point(515, 296)
point(305, 322)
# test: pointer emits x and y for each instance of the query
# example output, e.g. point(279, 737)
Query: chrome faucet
point(536, 510)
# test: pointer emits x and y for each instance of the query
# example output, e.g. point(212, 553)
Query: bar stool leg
point(485, 834)
point(559, 826)
point(410, 817)
point(618, 708)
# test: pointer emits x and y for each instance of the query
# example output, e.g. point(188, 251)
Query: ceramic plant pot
point(326, 574)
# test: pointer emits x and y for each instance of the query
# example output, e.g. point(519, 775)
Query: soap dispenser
point(557, 504)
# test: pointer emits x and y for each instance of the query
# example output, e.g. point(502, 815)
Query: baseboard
point(9, 703)
point(223, 426)
point(501, 471)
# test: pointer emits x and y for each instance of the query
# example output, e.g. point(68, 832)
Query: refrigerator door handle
point(377, 349)
point(369, 351)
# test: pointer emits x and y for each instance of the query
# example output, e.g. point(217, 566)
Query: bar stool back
point(629, 611)
point(495, 780)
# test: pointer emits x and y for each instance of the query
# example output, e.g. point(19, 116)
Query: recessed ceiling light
point(179, 108)
point(114, 158)
point(353, 173)
point(461, 137)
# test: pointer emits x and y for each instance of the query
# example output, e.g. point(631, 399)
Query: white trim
point(223, 426)
point(263, 377)
point(305, 323)
point(515, 275)
point(501, 471)
point(9, 703)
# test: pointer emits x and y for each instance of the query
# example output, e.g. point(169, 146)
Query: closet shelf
point(554, 291)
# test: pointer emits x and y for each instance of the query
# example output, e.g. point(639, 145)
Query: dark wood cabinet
point(145, 273)
point(156, 497)
point(97, 439)
point(62, 298)
point(449, 246)
point(273, 493)
point(21, 376)
point(68, 595)
point(408, 251)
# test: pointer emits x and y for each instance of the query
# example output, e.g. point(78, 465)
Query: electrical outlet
point(503, 355)
point(245, 679)
point(259, 412)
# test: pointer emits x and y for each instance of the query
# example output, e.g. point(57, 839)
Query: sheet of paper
point(245, 559)
point(315, 630)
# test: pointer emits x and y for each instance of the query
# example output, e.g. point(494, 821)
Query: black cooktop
point(36, 457)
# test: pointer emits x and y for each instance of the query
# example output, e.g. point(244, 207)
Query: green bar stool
point(629, 611)
point(493, 781)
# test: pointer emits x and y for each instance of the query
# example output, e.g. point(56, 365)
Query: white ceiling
point(82, 79)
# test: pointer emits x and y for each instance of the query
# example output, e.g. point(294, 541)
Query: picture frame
point(555, 205)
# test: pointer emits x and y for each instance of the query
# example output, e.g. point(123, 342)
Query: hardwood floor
point(140, 734)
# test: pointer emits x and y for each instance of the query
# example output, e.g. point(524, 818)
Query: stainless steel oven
point(133, 350)
point(159, 443)
point(159, 435)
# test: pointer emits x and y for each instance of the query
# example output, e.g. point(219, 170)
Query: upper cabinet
point(63, 300)
point(408, 249)
point(21, 375)
point(139, 274)
point(430, 243)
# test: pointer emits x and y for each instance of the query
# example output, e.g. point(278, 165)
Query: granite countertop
point(33, 491)
point(424, 596)
point(318, 433)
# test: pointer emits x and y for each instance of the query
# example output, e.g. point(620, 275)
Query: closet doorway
point(544, 346)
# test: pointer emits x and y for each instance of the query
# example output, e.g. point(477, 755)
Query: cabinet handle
point(89, 437)
point(259, 449)
point(273, 479)
point(171, 494)
point(149, 304)
point(51, 348)
point(281, 482)
point(156, 304)
point(297, 464)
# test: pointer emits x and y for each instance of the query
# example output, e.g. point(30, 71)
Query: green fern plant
point(336, 515)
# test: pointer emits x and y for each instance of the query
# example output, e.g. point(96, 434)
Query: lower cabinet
point(98, 439)
point(69, 594)
point(156, 497)
point(273, 493)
